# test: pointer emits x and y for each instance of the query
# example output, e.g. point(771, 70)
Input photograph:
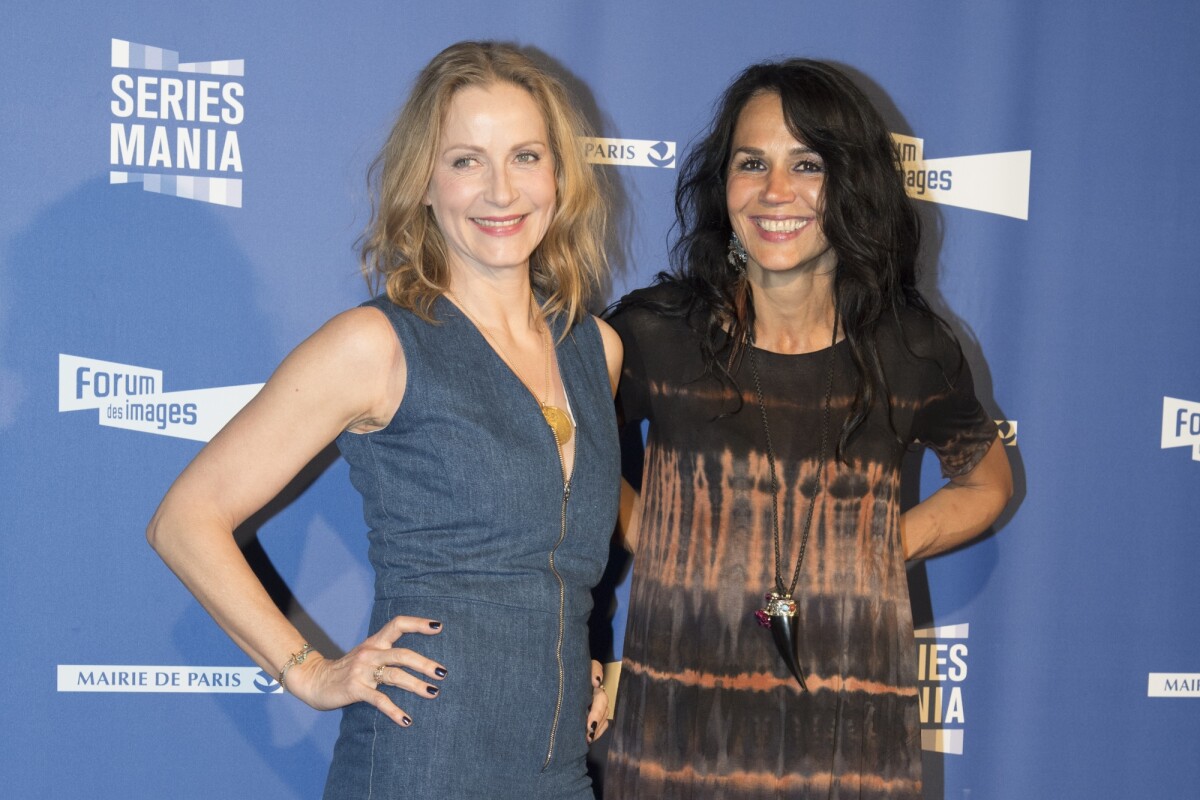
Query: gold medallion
point(559, 422)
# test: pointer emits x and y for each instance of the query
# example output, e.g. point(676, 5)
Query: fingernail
point(435, 625)
point(431, 689)
point(407, 721)
point(440, 672)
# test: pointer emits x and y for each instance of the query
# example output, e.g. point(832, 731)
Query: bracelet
point(293, 660)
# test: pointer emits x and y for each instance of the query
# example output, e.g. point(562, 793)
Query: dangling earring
point(736, 254)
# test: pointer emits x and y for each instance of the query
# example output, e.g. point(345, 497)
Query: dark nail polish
point(407, 721)
point(431, 689)
point(440, 672)
point(435, 625)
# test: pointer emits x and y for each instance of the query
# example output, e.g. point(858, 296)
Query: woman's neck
point(502, 303)
point(793, 315)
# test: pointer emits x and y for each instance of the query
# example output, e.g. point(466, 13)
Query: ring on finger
point(377, 675)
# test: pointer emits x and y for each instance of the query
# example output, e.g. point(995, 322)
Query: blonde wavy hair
point(403, 248)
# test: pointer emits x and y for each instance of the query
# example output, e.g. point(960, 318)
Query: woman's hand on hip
point(597, 718)
point(356, 677)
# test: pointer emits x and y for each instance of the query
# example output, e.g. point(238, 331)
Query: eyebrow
point(800, 150)
point(470, 148)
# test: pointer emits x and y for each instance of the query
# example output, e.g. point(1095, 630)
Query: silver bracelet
point(293, 660)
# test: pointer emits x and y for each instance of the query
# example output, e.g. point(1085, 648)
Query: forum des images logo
point(174, 126)
point(134, 398)
point(1181, 425)
point(995, 183)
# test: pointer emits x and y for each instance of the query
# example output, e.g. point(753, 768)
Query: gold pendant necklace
point(559, 421)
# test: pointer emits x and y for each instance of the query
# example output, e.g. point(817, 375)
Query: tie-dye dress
point(706, 707)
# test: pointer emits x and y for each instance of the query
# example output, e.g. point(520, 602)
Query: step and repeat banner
point(183, 186)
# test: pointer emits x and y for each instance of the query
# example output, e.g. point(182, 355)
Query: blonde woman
point(473, 402)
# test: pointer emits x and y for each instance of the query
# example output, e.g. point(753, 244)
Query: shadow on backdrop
point(116, 274)
point(952, 598)
point(620, 210)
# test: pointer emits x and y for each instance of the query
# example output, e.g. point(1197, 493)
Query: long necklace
point(558, 420)
point(779, 613)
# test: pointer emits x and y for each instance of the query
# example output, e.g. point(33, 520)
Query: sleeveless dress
point(706, 707)
point(471, 524)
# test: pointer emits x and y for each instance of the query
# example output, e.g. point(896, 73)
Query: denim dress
point(471, 523)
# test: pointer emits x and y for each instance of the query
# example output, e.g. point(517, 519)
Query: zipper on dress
point(562, 600)
point(562, 611)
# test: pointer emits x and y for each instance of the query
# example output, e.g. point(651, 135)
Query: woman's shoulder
point(362, 334)
point(917, 341)
point(670, 291)
point(613, 347)
point(666, 302)
point(918, 328)
point(398, 313)
point(589, 331)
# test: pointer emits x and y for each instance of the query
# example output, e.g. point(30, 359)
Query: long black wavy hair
point(868, 220)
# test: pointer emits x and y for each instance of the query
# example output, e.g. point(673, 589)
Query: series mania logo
point(172, 133)
point(941, 669)
point(997, 183)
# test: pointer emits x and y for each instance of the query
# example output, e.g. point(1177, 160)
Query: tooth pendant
point(779, 615)
point(778, 605)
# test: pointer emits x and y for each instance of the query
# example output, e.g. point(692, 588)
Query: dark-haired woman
point(785, 368)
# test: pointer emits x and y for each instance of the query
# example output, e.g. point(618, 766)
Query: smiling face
point(774, 192)
point(493, 186)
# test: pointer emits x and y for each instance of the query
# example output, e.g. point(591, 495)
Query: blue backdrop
point(182, 188)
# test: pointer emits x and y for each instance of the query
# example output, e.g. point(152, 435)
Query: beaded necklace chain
point(779, 613)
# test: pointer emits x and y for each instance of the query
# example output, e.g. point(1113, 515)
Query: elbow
point(1004, 491)
point(164, 534)
point(999, 482)
point(154, 532)
point(160, 529)
point(1000, 503)
point(182, 528)
point(1001, 496)
point(1006, 484)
